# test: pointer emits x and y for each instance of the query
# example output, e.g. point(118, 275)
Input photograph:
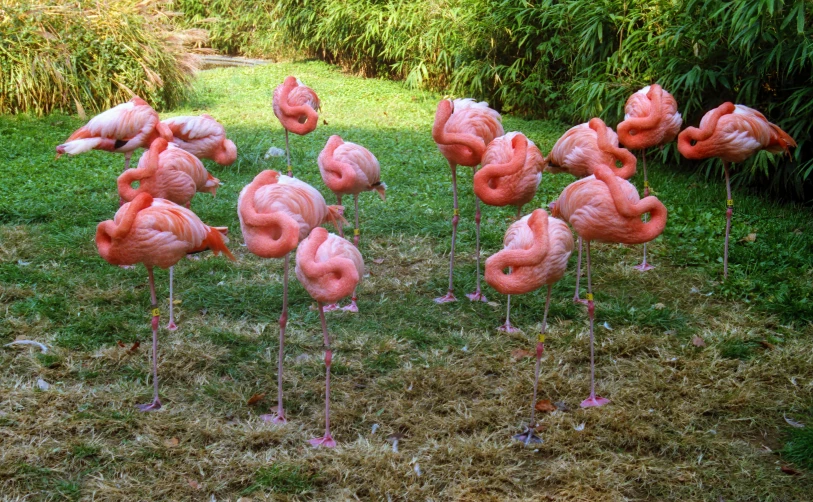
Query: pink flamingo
point(577, 152)
point(348, 168)
point(123, 128)
point(167, 172)
point(330, 268)
point(462, 130)
point(204, 137)
point(651, 118)
point(155, 232)
point(276, 212)
point(296, 107)
point(511, 173)
point(733, 133)
point(607, 208)
point(536, 249)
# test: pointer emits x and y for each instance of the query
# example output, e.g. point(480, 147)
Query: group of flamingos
point(280, 214)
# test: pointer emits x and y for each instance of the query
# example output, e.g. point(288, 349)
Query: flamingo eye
point(693, 142)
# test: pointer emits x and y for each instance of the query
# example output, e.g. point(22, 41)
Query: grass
point(686, 422)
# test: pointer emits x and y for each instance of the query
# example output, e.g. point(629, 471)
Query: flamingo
point(463, 129)
point(330, 268)
point(167, 172)
point(651, 119)
point(733, 133)
point(204, 137)
point(156, 232)
point(511, 173)
point(348, 168)
point(123, 128)
point(296, 107)
point(607, 208)
point(536, 248)
point(276, 212)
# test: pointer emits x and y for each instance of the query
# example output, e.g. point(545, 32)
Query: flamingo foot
point(594, 402)
point(507, 328)
point(155, 405)
point(351, 307)
point(446, 299)
point(643, 267)
point(477, 296)
point(323, 442)
point(528, 437)
point(275, 418)
point(172, 326)
point(576, 299)
point(331, 307)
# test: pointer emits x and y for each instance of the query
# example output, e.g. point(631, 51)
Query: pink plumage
point(463, 129)
point(349, 169)
point(296, 106)
point(651, 118)
point(168, 172)
point(587, 145)
point(328, 266)
point(203, 137)
point(511, 172)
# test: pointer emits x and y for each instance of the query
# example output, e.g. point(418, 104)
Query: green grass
point(686, 423)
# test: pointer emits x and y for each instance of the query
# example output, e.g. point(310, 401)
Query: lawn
point(701, 373)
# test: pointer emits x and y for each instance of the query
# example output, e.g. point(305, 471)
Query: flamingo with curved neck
point(296, 106)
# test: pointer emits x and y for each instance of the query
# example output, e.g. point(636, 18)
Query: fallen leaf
point(324, 121)
point(518, 354)
point(545, 406)
point(256, 398)
point(767, 345)
point(134, 347)
point(698, 342)
point(172, 442)
point(177, 302)
point(749, 238)
point(121, 344)
point(659, 306)
point(579, 428)
point(378, 261)
point(42, 384)
point(607, 326)
point(789, 470)
point(194, 484)
point(541, 427)
point(493, 304)
point(794, 423)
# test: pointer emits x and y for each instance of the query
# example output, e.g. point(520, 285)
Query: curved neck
point(628, 160)
point(519, 153)
point(338, 175)
point(634, 210)
point(295, 110)
point(441, 137)
point(695, 134)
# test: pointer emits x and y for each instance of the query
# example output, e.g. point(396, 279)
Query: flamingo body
point(296, 105)
point(463, 128)
point(328, 266)
point(511, 172)
point(587, 145)
point(202, 136)
point(651, 118)
point(349, 169)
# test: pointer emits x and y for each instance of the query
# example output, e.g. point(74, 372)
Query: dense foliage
point(84, 54)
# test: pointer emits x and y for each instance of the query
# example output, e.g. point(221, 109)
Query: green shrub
point(61, 54)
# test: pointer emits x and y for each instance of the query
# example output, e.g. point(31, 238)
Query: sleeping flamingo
point(348, 168)
point(463, 129)
point(512, 170)
point(733, 133)
point(330, 268)
point(577, 152)
point(296, 107)
point(651, 119)
point(155, 232)
point(202, 136)
point(276, 212)
point(536, 249)
point(607, 208)
point(167, 172)
point(123, 128)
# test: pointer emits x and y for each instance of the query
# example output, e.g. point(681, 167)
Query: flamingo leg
point(279, 417)
point(576, 298)
point(353, 306)
point(644, 266)
point(528, 436)
point(507, 328)
point(127, 156)
point(477, 296)
point(335, 306)
point(326, 440)
point(455, 219)
point(593, 400)
point(728, 211)
point(156, 403)
point(288, 155)
point(171, 326)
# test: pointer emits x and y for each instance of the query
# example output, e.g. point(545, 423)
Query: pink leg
point(593, 400)
point(353, 306)
point(127, 156)
point(477, 296)
point(279, 417)
point(576, 298)
point(528, 436)
point(156, 403)
point(644, 266)
point(171, 326)
point(455, 219)
point(288, 155)
point(326, 440)
point(507, 328)
point(341, 226)
point(729, 210)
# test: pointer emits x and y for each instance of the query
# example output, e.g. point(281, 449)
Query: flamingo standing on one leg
point(536, 249)
point(204, 137)
point(167, 172)
point(296, 107)
point(348, 168)
point(330, 268)
point(511, 173)
point(463, 129)
point(155, 232)
point(577, 152)
point(651, 118)
point(123, 128)
point(733, 133)
point(606, 208)
point(276, 212)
